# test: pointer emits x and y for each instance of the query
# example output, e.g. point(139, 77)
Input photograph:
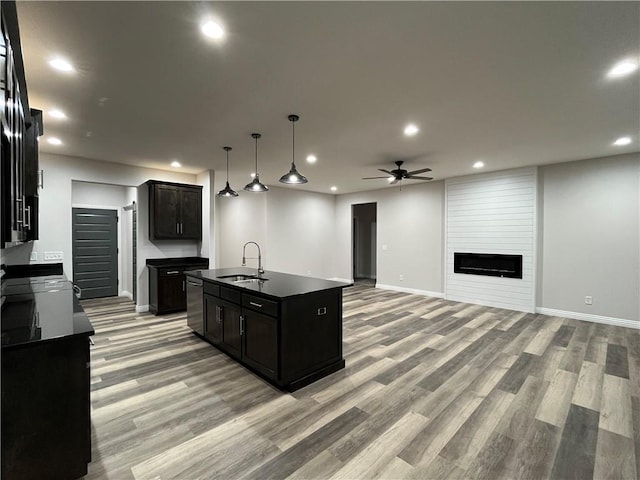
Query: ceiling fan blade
point(422, 170)
point(412, 177)
point(385, 171)
point(372, 178)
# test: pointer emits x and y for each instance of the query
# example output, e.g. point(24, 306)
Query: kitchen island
point(287, 328)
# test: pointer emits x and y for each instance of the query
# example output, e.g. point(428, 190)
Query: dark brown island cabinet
point(46, 424)
point(287, 328)
point(167, 282)
point(175, 211)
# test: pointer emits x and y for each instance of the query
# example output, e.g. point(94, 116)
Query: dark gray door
point(95, 252)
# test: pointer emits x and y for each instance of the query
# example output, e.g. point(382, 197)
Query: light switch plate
point(53, 255)
point(34, 256)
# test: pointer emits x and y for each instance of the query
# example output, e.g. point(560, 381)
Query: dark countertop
point(176, 262)
point(37, 309)
point(278, 285)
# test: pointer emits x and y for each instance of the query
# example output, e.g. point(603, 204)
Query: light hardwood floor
point(433, 389)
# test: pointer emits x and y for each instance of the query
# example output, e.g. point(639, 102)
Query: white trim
point(142, 308)
point(414, 291)
point(124, 293)
point(534, 240)
point(588, 317)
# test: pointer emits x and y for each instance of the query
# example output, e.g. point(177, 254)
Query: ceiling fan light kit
point(293, 177)
point(399, 174)
point(255, 185)
point(227, 191)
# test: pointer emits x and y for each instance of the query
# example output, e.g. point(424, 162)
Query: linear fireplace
point(491, 264)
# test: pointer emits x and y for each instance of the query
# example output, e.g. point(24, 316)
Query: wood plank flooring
point(432, 389)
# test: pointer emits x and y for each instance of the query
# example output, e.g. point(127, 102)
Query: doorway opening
point(364, 236)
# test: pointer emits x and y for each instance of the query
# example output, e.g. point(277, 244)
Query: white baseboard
point(124, 293)
point(338, 279)
point(142, 308)
point(619, 322)
point(414, 291)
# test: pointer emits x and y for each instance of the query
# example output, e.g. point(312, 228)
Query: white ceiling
point(512, 84)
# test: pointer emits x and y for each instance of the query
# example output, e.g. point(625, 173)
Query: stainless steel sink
point(242, 278)
point(251, 280)
point(237, 277)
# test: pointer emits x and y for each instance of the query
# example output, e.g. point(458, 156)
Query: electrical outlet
point(34, 256)
point(588, 300)
point(309, 273)
point(53, 256)
point(401, 278)
point(384, 246)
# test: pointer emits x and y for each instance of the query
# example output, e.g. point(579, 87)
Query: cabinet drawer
point(260, 304)
point(170, 272)
point(230, 294)
point(211, 289)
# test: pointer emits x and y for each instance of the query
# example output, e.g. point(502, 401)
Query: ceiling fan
point(400, 174)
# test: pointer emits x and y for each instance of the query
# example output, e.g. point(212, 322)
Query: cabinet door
point(214, 315)
point(165, 212)
point(260, 343)
point(171, 293)
point(231, 339)
point(190, 213)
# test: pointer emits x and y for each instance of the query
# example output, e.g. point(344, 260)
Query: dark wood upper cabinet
point(175, 211)
point(20, 128)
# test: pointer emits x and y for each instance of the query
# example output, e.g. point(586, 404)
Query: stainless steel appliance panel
point(195, 305)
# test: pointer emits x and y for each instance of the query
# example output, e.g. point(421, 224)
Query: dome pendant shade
point(255, 185)
point(293, 177)
point(227, 191)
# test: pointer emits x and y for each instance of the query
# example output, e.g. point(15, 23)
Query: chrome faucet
point(244, 257)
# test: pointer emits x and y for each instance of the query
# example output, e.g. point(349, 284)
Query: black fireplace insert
point(491, 264)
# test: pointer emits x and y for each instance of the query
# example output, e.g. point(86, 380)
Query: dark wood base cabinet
point(46, 426)
point(167, 283)
point(291, 341)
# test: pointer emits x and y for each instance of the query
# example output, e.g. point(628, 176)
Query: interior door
point(95, 251)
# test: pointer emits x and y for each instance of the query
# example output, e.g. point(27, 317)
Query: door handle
point(173, 272)
point(241, 325)
point(255, 304)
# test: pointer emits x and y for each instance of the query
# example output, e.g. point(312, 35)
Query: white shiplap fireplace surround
point(492, 213)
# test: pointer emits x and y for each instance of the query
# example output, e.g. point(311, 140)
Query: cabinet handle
point(219, 313)
point(41, 178)
point(183, 285)
point(173, 272)
point(28, 215)
point(181, 229)
point(241, 325)
point(178, 228)
point(255, 304)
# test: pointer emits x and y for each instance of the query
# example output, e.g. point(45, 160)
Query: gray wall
point(590, 238)
point(410, 235)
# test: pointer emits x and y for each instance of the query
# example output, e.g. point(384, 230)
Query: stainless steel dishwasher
point(195, 305)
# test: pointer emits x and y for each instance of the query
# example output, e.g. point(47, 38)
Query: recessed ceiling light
point(57, 114)
point(54, 141)
point(620, 69)
point(622, 141)
point(61, 64)
point(176, 164)
point(334, 188)
point(478, 164)
point(312, 158)
point(410, 130)
point(212, 29)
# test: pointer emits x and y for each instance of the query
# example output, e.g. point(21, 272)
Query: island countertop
point(276, 284)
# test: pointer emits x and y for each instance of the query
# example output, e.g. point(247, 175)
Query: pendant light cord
point(227, 166)
point(293, 144)
point(256, 156)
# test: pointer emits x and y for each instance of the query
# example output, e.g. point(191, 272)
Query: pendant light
point(255, 185)
point(293, 177)
point(227, 191)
